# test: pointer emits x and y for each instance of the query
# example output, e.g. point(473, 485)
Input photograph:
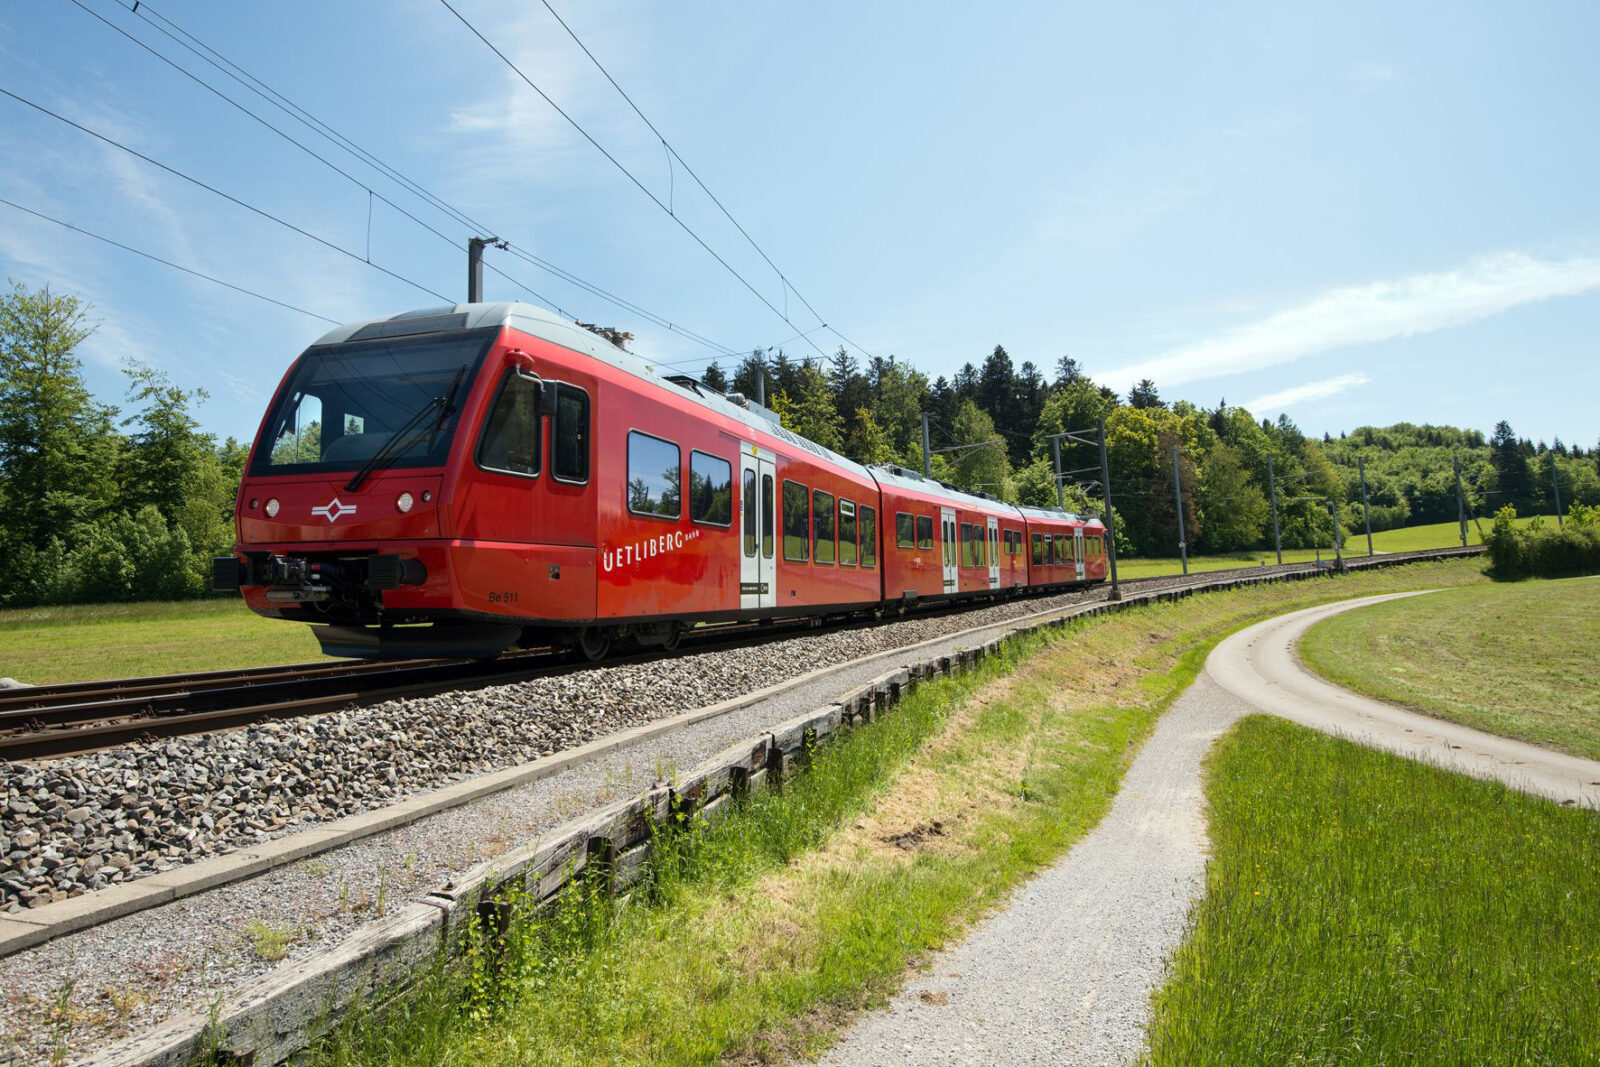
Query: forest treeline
point(129, 501)
point(1006, 415)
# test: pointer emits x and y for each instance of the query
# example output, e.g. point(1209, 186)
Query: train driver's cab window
point(510, 442)
point(847, 533)
point(569, 435)
point(905, 530)
point(655, 476)
point(823, 524)
point(925, 531)
point(796, 521)
point(869, 536)
point(711, 493)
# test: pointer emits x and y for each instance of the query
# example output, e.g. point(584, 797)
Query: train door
point(758, 565)
point(994, 552)
point(948, 527)
point(1077, 551)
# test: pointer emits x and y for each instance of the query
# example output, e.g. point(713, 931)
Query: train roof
point(538, 322)
point(1057, 515)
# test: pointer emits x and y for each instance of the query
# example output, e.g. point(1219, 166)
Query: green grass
point(1363, 908)
point(93, 641)
point(1406, 539)
point(1511, 659)
point(765, 934)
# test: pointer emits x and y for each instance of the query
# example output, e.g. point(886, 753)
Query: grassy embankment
point(1511, 659)
point(1406, 539)
point(90, 641)
point(1363, 908)
point(769, 929)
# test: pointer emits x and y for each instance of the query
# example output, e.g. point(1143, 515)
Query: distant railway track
point(54, 720)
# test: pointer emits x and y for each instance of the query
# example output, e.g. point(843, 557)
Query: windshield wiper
point(408, 432)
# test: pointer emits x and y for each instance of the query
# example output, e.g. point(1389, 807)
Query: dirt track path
point(1063, 974)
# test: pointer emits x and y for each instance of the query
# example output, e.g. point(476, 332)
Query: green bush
point(1540, 550)
point(130, 557)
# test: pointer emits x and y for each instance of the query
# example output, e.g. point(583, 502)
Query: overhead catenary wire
point(674, 154)
point(175, 172)
point(166, 262)
point(232, 70)
point(628, 173)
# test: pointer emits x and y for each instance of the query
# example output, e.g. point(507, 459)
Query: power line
point(703, 188)
point(301, 115)
point(218, 192)
point(165, 262)
point(630, 175)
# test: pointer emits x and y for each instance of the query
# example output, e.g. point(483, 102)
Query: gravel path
point(131, 973)
point(1064, 974)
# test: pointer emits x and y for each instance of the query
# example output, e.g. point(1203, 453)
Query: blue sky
point(1354, 213)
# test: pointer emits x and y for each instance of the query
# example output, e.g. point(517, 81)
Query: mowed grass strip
point(763, 934)
point(1512, 659)
point(1405, 539)
point(1364, 908)
point(87, 642)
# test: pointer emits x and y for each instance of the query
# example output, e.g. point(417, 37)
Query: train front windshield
point(345, 403)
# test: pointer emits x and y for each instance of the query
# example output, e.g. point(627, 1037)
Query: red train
point(461, 480)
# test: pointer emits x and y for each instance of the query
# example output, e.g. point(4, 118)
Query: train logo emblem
point(334, 510)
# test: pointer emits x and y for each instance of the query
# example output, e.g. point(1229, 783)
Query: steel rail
point(49, 721)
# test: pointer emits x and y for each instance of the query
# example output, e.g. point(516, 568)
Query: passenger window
point(710, 490)
point(847, 533)
point(905, 532)
point(822, 520)
point(796, 521)
point(966, 544)
point(924, 531)
point(1063, 548)
point(869, 536)
point(750, 514)
point(510, 442)
point(1038, 551)
point(655, 476)
point(569, 435)
point(767, 514)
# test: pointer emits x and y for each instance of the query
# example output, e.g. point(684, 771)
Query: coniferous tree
point(714, 377)
point(1144, 395)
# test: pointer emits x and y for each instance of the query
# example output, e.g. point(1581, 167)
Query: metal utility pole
point(1055, 451)
point(1177, 489)
point(475, 247)
point(1272, 486)
point(1366, 516)
point(927, 449)
point(1461, 500)
point(1111, 522)
point(1555, 484)
point(1338, 534)
point(761, 387)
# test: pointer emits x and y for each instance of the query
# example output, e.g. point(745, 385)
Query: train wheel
point(673, 639)
point(594, 644)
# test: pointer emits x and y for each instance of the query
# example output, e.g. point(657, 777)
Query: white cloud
point(1362, 314)
point(1301, 394)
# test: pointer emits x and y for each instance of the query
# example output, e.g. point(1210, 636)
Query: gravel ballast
point(133, 972)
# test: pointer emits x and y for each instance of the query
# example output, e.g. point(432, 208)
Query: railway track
point(56, 720)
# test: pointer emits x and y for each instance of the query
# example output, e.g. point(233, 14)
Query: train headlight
point(403, 502)
point(272, 508)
